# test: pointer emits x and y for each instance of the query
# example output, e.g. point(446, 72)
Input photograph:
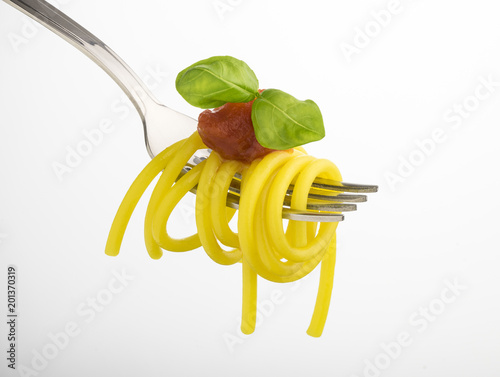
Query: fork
point(324, 202)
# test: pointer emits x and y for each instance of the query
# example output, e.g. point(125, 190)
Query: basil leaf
point(281, 121)
point(217, 80)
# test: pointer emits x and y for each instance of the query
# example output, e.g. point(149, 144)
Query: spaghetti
point(261, 244)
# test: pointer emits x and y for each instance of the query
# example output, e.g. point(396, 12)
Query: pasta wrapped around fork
point(262, 244)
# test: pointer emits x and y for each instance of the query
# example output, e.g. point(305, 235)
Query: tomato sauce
point(228, 130)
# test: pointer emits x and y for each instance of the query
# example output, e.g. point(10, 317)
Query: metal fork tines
point(325, 200)
point(321, 188)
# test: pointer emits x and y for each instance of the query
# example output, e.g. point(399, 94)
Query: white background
point(436, 225)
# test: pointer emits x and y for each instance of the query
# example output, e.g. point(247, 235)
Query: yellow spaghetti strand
point(249, 300)
point(204, 196)
point(168, 177)
point(324, 292)
point(132, 197)
point(218, 208)
point(169, 201)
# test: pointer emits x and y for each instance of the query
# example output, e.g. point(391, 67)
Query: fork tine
point(314, 194)
point(326, 184)
point(293, 214)
point(323, 206)
point(341, 198)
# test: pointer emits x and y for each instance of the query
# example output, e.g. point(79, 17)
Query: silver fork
point(324, 201)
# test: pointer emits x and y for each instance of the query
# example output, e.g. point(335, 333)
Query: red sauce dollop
point(228, 130)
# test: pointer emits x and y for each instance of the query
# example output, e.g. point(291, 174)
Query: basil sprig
point(217, 80)
point(280, 120)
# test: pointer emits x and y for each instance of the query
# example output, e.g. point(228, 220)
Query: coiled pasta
point(261, 244)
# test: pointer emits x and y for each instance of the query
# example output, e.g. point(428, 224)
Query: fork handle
point(55, 20)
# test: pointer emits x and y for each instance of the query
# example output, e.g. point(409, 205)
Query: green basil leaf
point(281, 121)
point(217, 80)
